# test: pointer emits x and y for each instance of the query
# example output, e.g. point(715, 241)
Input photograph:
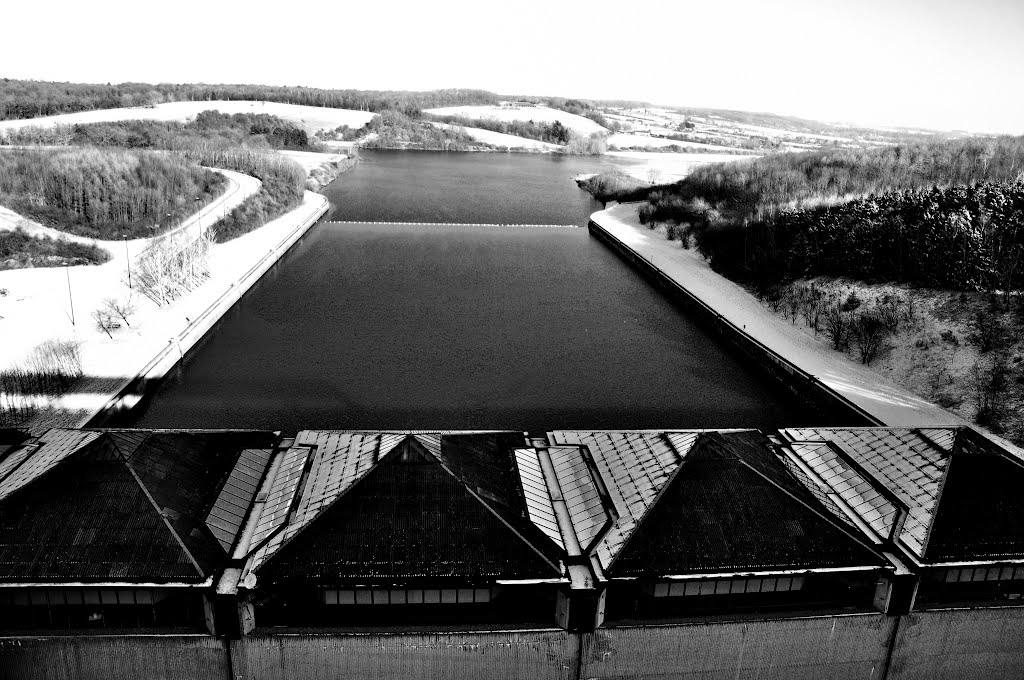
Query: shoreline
point(885, 402)
point(43, 304)
point(877, 397)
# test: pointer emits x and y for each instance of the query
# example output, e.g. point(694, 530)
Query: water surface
point(402, 326)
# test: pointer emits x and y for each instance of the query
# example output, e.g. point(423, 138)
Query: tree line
point(237, 142)
point(960, 237)
point(31, 99)
point(554, 133)
point(259, 130)
point(759, 189)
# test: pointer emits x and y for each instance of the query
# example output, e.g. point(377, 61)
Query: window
point(415, 596)
point(739, 586)
point(76, 608)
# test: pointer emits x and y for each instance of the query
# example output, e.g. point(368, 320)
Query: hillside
point(907, 257)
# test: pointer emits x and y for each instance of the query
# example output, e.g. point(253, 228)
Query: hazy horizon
point(910, 63)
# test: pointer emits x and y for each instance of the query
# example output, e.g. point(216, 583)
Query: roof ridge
point(935, 508)
point(654, 501)
point(160, 513)
point(822, 513)
point(491, 510)
point(323, 510)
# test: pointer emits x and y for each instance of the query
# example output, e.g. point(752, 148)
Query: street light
point(127, 258)
point(70, 300)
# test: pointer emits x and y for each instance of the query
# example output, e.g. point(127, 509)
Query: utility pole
point(128, 259)
point(70, 299)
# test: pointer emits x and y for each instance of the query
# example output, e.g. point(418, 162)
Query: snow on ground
point(665, 168)
point(312, 160)
point(37, 305)
point(236, 182)
point(886, 401)
point(540, 114)
point(625, 140)
point(501, 139)
point(37, 308)
point(312, 118)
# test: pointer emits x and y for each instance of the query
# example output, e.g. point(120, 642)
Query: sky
point(926, 63)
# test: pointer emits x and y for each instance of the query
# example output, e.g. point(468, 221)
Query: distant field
point(501, 139)
point(311, 118)
point(579, 124)
point(624, 140)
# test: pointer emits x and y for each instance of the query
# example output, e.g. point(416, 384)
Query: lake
point(454, 327)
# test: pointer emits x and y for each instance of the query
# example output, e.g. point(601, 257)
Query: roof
point(73, 507)
point(981, 510)
point(634, 466)
point(396, 508)
point(910, 463)
point(731, 505)
point(960, 491)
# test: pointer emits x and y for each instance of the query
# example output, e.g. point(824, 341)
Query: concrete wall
point(135, 388)
point(805, 388)
point(816, 648)
point(100, 657)
point(960, 644)
point(512, 655)
point(937, 645)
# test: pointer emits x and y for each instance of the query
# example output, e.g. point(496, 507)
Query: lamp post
point(128, 259)
point(199, 219)
point(70, 299)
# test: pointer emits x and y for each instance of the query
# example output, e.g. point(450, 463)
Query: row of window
point(389, 596)
point(965, 574)
point(735, 586)
point(78, 596)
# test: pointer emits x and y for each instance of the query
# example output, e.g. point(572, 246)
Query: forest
point(257, 130)
point(395, 130)
point(104, 194)
point(234, 142)
point(964, 237)
point(757, 190)
point(20, 249)
point(554, 132)
point(31, 99)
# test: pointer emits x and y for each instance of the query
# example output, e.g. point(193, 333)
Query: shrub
point(49, 370)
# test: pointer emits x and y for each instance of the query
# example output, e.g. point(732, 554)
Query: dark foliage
point(963, 237)
point(30, 99)
point(209, 127)
point(396, 130)
point(614, 186)
point(770, 220)
point(18, 249)
point(555, 132)
point(104, 194)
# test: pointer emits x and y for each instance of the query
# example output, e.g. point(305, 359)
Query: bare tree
point(105, 321)
point(868, 332)
point(121, 308)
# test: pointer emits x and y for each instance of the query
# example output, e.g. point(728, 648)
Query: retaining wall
point(101, 657)
point(956, 644)
point(808, 390)
point(136, 387)
point(506, 655)
point(816, 648)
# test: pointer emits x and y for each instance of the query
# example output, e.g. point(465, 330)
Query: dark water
point(372, 326)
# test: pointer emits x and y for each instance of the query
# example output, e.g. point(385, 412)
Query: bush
point(50, 370)
point(18, 250)
point(103, 193)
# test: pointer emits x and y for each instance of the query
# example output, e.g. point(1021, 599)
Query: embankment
point(220, 295)
point(840, 390)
